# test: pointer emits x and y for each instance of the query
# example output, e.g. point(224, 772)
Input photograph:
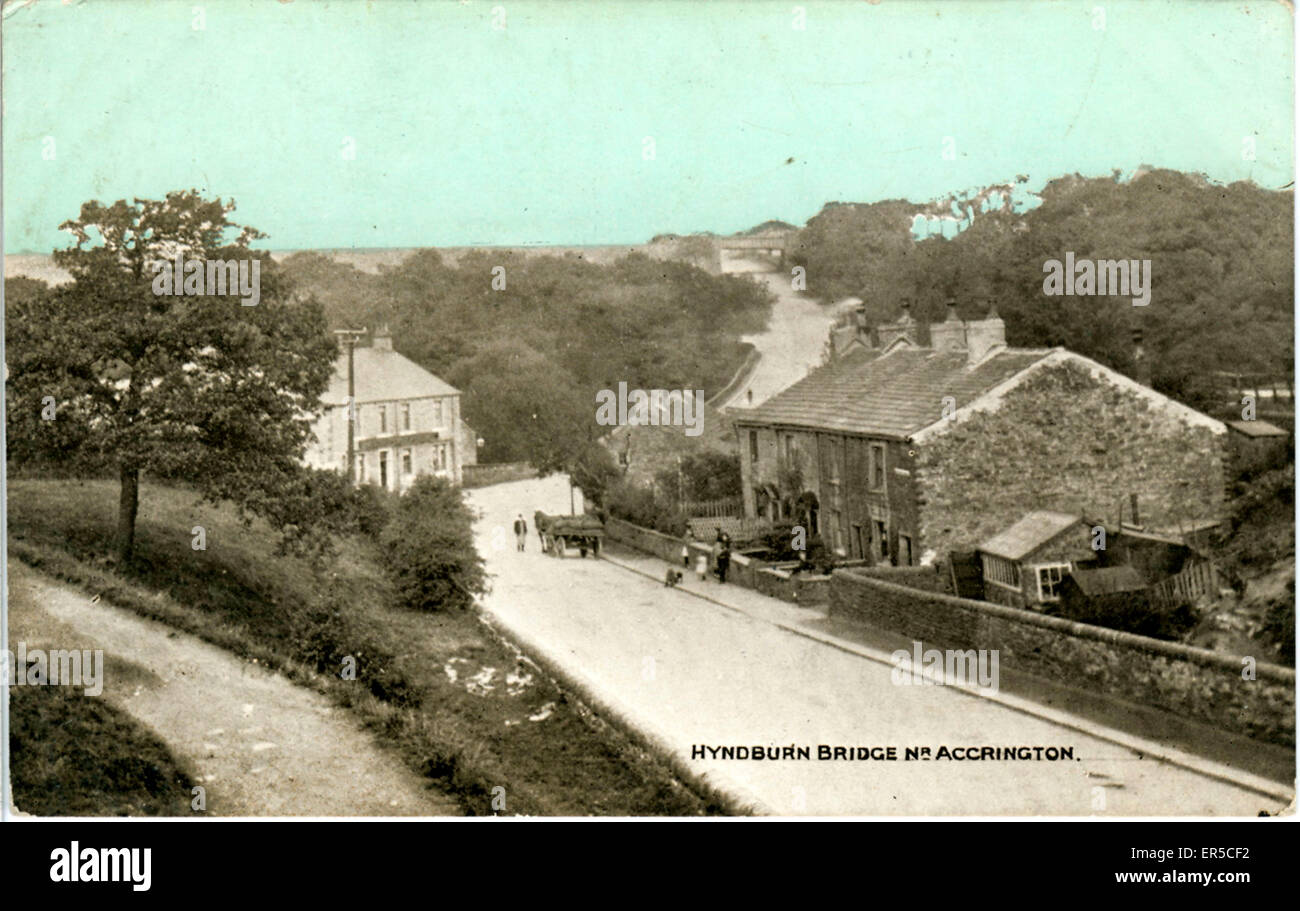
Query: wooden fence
point(1200, 578)
point(713, 509)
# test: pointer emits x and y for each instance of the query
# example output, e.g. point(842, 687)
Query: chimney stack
point(904, 327)
point(1141, 366)
point(950, 335)
point(382, 339)
point(984, 336)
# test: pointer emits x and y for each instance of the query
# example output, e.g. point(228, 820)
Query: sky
point(396, 124)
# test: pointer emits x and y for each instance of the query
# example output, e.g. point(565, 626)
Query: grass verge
point(459, 705)
point(75, 755)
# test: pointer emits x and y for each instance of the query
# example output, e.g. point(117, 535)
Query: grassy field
point(75, 755)
point(457, 704)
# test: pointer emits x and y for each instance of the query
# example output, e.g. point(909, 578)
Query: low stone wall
point(666, 547)
point(495, 473)
point(1191, 682)
point(925, 578)
point(797, 588)
point(743, 571)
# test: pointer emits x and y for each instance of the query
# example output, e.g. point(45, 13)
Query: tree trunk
point(128, 504)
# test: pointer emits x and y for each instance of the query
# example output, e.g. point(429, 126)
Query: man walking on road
point(521, 532)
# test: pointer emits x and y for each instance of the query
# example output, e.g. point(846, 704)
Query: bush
point(428, 548)
point(1133, 614)
point(640, 506)
point(704, 475)
point(779, 544)
point(1279, 624)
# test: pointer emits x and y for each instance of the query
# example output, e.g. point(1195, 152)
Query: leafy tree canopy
point(106, 374)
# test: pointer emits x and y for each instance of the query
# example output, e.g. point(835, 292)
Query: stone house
point(1024, 565)
point(900, 452)
point(407, 421)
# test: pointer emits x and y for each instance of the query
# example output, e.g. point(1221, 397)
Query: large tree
point(107, 374)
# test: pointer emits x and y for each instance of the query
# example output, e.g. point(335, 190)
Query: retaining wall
point(1191, 682)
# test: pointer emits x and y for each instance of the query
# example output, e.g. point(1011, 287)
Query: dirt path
point(260, 745)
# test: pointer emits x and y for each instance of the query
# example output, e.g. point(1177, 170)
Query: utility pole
point(350, 337)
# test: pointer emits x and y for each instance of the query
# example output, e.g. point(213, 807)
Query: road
point(792, 343)
point(688, 672)
point(258, 744)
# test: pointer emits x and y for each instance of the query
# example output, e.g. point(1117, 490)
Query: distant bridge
point(771, 245)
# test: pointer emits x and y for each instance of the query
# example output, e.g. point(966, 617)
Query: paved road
point(792, 343)
point(689, 672)
point(258, 744)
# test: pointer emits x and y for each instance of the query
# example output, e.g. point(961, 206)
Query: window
point(882, 540)
point(1049, 580)
point(877, 466)
point(753, 445)
point(406, 417)
point(435, 409)
point(383, 468)
point(406, 461)
point(837, 532)
point(383, 419)
point(904, 550)
point(1001, 572)
point(834, 451)
point(789, 449)
point(439, 458)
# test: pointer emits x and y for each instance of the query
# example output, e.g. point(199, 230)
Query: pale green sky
point(535, 133)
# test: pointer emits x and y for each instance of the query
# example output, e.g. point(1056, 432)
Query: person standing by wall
point(521, 532)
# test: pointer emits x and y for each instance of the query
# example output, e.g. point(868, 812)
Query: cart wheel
point(595, 547)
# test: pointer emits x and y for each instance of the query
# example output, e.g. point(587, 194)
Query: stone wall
point(665, 547)
point(1190, 682)
point(743, 571)
point(496, 473)
point(798, 588)
point(925, 578)
point(1068, 441)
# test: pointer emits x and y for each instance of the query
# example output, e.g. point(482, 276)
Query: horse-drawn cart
point(561, 534)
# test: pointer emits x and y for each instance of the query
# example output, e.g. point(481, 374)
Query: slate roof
point(1108, 580)
point(1032, 531)
point(383, 376)
point(892, 395)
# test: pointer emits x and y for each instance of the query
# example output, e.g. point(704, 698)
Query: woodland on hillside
point(1221, 262)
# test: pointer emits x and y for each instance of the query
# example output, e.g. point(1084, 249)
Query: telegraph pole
point(349, 337)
